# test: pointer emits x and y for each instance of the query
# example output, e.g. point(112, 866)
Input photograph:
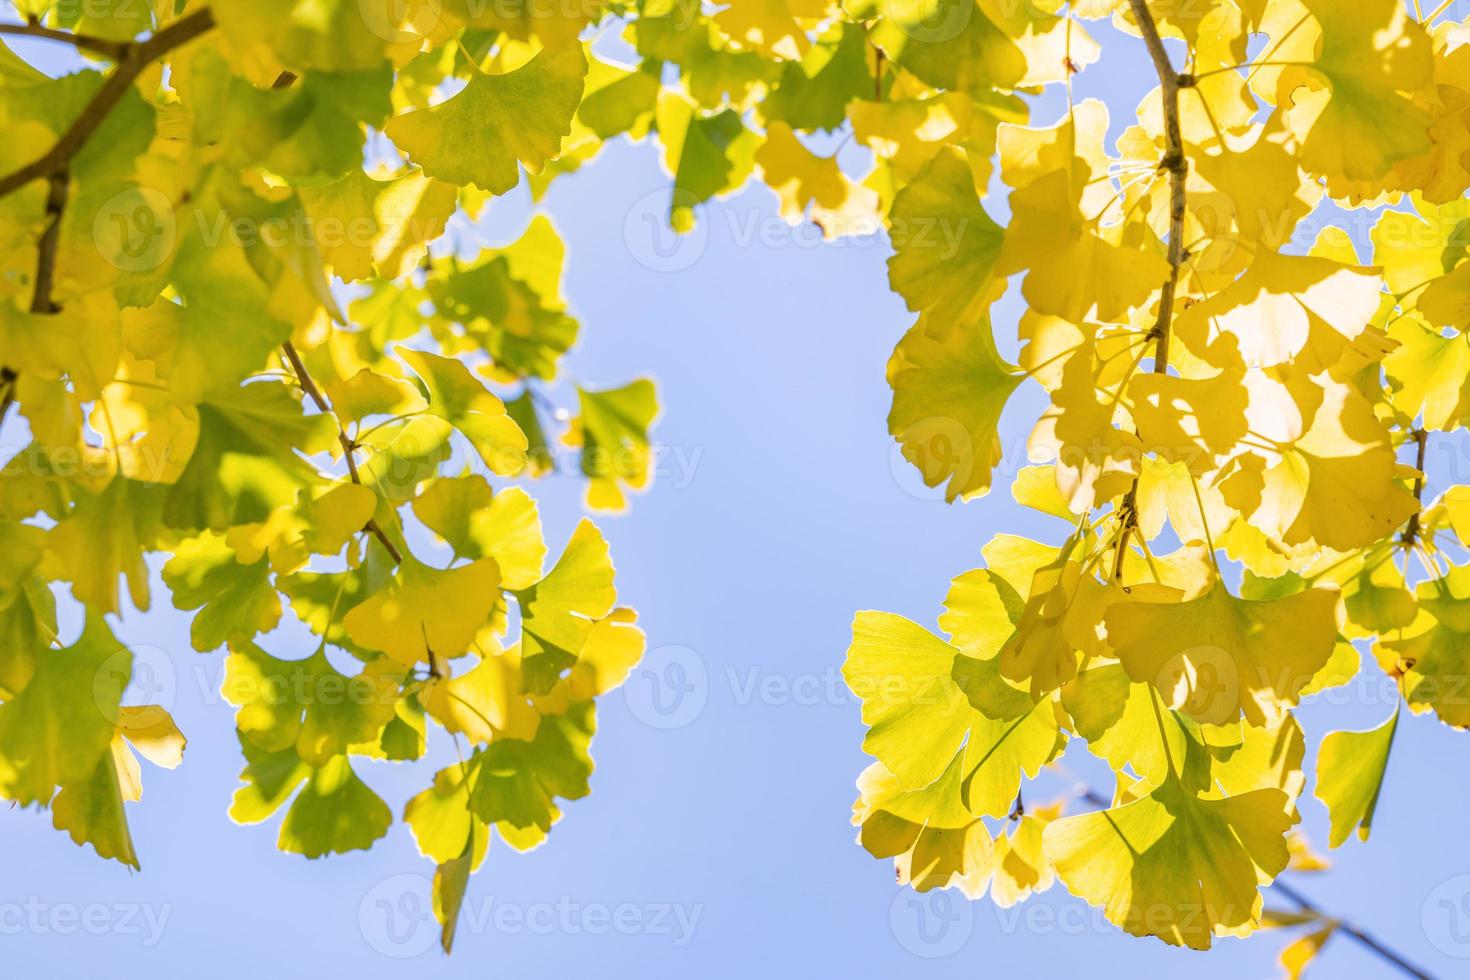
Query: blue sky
point(717, 839)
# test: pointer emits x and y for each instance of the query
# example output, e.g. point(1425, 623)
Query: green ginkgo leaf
point(1350, 771)
point(496, 123)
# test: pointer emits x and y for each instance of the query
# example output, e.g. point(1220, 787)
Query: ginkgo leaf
point(1371, 52)
point(1432, 372)
point(366, 227)
point(1172, 865)
point(936, 841)
point(464, 402)
point(806, 182)
point(1073, 269)
point(1433, 654)
point(425, 612)
point(949, 388)
point(484, 703)
point(1350, 771)
point(1287, 308)
point(945, 245)
point(612, 430)
point(307, 704)
point(517, 781)
point(58, 729)
point(1215, 657)
point(911, 704)
point(1337, 484)
point(1020, 867)
point(707, 155)
point(334, 813)
point(235, 600)
point(558, 613)
point(479, 135)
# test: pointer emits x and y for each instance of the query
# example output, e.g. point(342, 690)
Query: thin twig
point(1411, 531)
point(134, 61)
point(116, 50)
point(309, 388)
point(41, 299)
point(1364, 939)
point(1177, 164)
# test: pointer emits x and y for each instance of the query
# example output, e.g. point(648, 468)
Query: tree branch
point(1411, 531)
point(1177, 164)
point(309, 388)
point(116, 50)
point(41, 298)
point(134, 61)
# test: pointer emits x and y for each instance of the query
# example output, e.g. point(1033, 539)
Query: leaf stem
point(309, 388)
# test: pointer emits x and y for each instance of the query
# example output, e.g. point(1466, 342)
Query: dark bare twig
point(116, 50)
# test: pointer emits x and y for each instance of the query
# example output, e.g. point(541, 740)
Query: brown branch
point(309, 388)
point(116, 50)
point(1411, 531)
point(134, 61)
point(1177, 164)
point(41, 298)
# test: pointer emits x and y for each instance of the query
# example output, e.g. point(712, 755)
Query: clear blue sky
point(721, 846)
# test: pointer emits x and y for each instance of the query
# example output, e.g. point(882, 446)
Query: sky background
point(717, 839)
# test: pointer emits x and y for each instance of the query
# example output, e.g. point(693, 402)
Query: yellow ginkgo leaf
point(945, 245)
point(366, 227)
point(806, 182)
point(949, 388)
point(1371, 53)
point(426, 613)
point(1215, 656)
point(1301, 309)
point(1172, 865)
